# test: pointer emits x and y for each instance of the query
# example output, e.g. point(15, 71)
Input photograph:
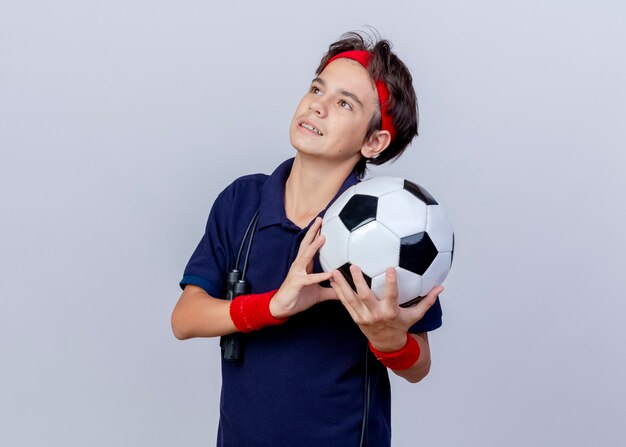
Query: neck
point(311, 185)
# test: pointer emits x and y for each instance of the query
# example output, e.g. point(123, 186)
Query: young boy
point(314, 365)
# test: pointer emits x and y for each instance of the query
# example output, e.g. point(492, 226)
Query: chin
point(303, 144)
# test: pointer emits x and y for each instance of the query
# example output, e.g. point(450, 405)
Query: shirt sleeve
point(211, 260)
point(430, 321)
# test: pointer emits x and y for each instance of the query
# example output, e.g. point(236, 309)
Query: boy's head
point(384, 128)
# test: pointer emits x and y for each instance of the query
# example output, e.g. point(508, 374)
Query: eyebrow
point(343, 92)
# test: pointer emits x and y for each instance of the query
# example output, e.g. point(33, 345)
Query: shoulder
point(250, 181)
point(246, 187)
point(238, 200)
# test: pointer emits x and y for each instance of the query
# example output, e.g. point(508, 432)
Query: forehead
point(347, 74)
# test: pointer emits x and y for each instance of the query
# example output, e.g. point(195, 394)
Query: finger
point(312, 232)
point(316, 278)
point(336, 289)
point(306, 256)
point(348, 294)
point(340, 295)
point(363, 290)
point(339, 292)
point(418, 311)
point(391, 287)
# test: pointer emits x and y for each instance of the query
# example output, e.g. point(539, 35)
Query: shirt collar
point(272, 205)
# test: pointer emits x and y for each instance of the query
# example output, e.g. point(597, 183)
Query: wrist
point(252, 312)
point(276, 309)
point(400, 359)
point(390, 344)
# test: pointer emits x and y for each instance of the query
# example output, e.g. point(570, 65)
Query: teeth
point(307, 126)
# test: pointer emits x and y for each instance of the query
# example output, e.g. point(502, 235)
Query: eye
point(314, 90)
point(345, 104)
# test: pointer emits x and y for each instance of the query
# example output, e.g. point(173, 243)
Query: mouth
point(310, 127)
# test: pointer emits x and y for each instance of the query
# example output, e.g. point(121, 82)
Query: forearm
point(421, 367)
point(197, 314)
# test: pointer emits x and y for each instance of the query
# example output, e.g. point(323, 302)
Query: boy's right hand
point(301, 288)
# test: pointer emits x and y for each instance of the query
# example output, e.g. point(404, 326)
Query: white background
point(120, 122)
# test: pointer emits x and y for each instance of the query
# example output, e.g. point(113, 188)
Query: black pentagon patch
point(417, 252)
point(452, 252)
point(420, 193)
point(359, 210)
point(412, 302)
point(345, 271)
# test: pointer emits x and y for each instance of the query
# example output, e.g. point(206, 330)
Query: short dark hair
point(387, 67)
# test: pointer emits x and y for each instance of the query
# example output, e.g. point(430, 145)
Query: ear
point(376, 143)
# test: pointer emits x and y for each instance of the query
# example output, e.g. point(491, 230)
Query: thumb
point(418, 310)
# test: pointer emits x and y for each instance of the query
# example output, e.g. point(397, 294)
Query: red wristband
point(252, 312)
point(401, 359)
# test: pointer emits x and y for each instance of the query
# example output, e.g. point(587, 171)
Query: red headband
point(363, 58)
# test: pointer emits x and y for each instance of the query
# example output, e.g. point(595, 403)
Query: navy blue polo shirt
point(300, 383)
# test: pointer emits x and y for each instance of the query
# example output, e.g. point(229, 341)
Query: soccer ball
point(389, 222)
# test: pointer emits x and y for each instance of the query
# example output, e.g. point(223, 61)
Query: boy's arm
point(421, 368)
point(198, 314)
point(384, 322)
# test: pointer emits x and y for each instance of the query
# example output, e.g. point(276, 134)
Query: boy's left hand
point(383, 322)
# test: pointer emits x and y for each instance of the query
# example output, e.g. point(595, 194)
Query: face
point(339, 106)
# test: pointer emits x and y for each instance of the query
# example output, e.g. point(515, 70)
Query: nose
point(318, 106)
